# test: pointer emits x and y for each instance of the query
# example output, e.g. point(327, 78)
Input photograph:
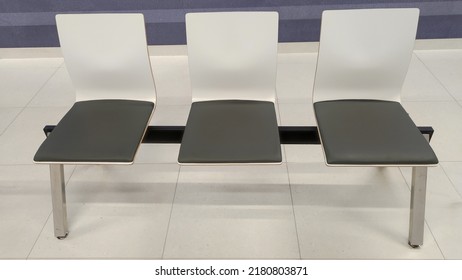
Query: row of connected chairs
point(362, 62)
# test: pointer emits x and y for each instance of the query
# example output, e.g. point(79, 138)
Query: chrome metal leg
point(418, 193)
point(58, 198)
point(418, 196)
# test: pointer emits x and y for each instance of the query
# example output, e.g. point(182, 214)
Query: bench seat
point(231, 131)
point(370, 132)
point(97, 131)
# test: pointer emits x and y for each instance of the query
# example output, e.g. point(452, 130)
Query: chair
point(363, 59)
point(107, 59)
point(232, 64)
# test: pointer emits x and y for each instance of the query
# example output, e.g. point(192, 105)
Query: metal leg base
point(62, 237)
point(413, 246)
point(58, 199)
point(417, 213)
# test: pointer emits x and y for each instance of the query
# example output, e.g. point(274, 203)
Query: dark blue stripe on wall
point(18, 6)
point(28, 36)
point(30, 23)
point(440, 27)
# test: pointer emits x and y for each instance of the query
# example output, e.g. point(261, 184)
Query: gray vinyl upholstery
point(231, 131)
point(370, 132)
point(97, 131)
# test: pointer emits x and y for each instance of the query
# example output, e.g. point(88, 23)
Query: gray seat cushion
point(231, 131)
point(370, 132)
point(97, 131)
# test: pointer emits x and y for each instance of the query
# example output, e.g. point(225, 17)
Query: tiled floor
point(156, 209)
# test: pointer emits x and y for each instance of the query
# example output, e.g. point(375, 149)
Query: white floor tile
point(20, 84)
point(446, 227)
point(25, 204)
point(57, 92)
point(447, 67)
point(295, 77)
point(354, 213)
point(445, 118)
point(454, 172)
point(19, 143)
point(7, 115)
point(232, 212)
point(31, 63)
point(421, 85)
point(114, 212)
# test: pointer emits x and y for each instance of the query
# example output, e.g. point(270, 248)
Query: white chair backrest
point(106, 56)
point(232, 55)
point(364, 54)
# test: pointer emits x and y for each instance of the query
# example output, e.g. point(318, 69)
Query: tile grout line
point(426, 222)
point(293, 208)
point(38, 235)
point(450, 180)
point(40, 89)
point(13, 107)
point(9, 125)
point(429, 101)
point(453, 186)
point(17, 164)
point(288, 179)
point(434, 238)
point(48, 218)
point(434, 76)
point(32, 98)
point(170, 216)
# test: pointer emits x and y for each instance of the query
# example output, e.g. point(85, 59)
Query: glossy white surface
point(232, 55)
point(365, 53)
point(107, 56)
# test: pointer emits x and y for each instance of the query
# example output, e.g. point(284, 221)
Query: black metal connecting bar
point(287, 134)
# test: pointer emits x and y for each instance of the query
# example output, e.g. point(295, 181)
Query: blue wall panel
point(30, 23)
